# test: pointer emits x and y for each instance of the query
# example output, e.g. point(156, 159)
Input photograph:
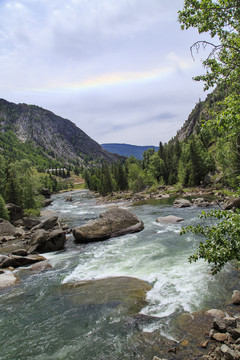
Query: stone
point(47, 202)
point(220, 337)
point(200, 202)
point(16, 260)
point(9, 261)
point(43, 241)
point(230, 322)
point(236, 297)
point(29, 222)
point(232, 204)
point(20, 252)
point(127, 293)
point(41, 266)
point(170, 219)
point(113, 222)
point(180, 203)
point(228, 353)
point(46, 193)
point(15, 212)
point(7, 279)
point(204, 344)
point(235, 333)
point(18, 222)
point(68, 198)
point(6, 228)
point(219, 325)
point(216, 313)
point(46, 224)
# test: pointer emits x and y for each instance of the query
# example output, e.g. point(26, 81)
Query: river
point(41, 319)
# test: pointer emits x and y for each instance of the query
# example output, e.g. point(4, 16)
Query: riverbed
point(46, 317)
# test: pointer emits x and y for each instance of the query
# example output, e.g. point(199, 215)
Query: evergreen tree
point(2, 174)
point(121, 178)
point(3, 210)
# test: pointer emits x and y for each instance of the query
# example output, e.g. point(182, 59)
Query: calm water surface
point(39, 320)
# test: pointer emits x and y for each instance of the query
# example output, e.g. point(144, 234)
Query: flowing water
point(42, 318)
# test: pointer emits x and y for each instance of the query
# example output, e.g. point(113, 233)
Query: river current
point(41, 320)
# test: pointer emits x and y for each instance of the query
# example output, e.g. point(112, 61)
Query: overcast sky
point(120, 69)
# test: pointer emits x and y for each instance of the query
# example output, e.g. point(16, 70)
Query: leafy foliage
point(221, 19)
point(222, 238)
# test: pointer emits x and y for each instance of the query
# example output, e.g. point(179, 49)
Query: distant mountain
point(127, 150)
point(28, 129)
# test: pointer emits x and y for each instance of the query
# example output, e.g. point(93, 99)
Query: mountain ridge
point(127, 149)
point(58, 137)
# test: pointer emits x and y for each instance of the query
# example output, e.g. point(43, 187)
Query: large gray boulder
point(30, 222)
point(180, 203)
point(113, 222)
point(16, 261)
point(47, 224)
point(6, 228)
point(43, 241)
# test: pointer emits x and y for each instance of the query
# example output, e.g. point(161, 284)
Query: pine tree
point(3, 210)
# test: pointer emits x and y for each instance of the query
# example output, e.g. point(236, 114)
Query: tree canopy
point(221, 19)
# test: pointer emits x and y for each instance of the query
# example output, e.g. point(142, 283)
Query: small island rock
point(180, 203)
point(113, 222)
point(170, 219)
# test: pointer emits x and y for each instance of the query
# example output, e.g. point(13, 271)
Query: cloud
point(120, 69)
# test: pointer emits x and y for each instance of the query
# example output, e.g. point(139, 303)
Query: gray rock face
point(232, 204)
point(170, 219)
point(47, 224)
point(180, 203)
point(43, 241)
point(16, 261)
point(114, 222)
point(6, 228)
point(50, 132)
point(200, 202)
point(30, 222)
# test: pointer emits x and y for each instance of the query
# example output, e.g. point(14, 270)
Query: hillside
point(27, 129)
point(127, 150)
point(200, 113)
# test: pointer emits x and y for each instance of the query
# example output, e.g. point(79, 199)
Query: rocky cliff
point(201, 113)
point(56, 136)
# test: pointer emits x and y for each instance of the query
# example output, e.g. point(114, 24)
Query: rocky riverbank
point(197, 339)
point(210, 196)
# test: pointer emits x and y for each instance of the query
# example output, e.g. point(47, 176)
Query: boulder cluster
point(226, 333)
point(23, 238)
point(22, 241)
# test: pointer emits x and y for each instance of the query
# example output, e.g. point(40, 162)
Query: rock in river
point(43, 241)
point(180, 203)
point(126, 292)
point(113, 222)
point(170, 219)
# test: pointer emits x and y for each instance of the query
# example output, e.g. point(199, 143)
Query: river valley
point(47, 316)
